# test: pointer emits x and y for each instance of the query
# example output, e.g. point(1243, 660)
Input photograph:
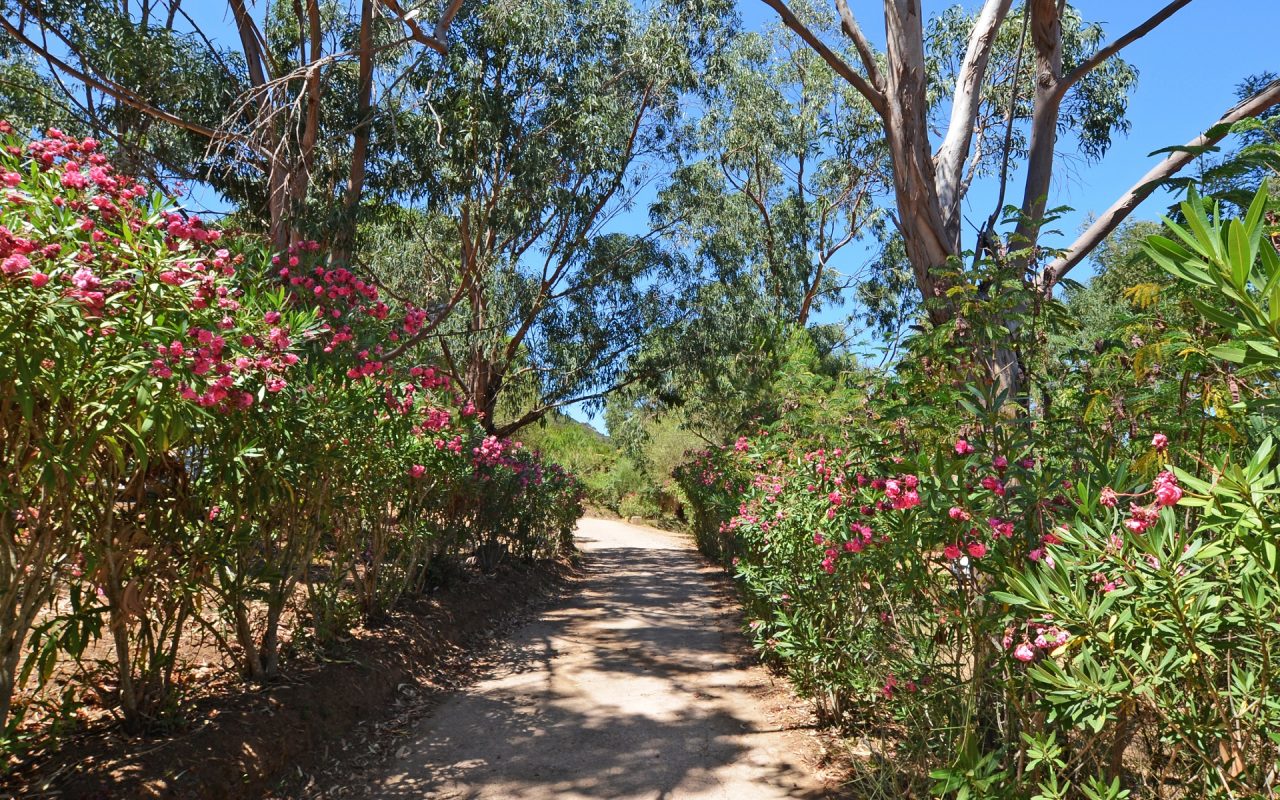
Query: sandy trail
point(637, 686)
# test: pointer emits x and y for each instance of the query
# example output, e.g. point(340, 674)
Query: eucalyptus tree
point(514, 161)
point(278, 119)
point(931, 179)
point(786, 166)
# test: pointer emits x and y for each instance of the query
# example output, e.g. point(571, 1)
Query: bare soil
point(637, 685)
point(238, 742)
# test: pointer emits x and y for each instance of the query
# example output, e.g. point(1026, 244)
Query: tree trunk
point(928, 242)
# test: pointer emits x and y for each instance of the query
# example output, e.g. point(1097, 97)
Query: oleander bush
point(198, 433)
point(1061, 598)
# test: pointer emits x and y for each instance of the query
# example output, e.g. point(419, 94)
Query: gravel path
point(637, 686)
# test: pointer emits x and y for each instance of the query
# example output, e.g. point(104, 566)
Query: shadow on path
point(638, 686)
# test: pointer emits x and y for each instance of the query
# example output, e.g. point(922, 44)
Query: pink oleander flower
point(15, 264)
point(959, 514)
point(908, 499)
point(271, 317)
point(977, 549)
point(951, 551)
point(85, 280)
point(1160, 441)
point(417, 471)
point(741, 445)
point(1024, 652)
point(1000, 527)
point(1000, 463)
point(39, 279)
point(1141, 518)
point(963, 448)
point(1168, 493)
point(1109, 498)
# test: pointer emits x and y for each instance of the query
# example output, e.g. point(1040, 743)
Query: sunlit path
point(636, 687)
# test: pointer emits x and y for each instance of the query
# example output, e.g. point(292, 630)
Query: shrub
point(198, 431)
point(1036, 604)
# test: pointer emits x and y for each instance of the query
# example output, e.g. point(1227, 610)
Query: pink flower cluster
point(1037, 636)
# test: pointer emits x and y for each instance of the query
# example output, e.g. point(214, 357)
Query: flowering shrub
point(1025, 605)
point(195, 431)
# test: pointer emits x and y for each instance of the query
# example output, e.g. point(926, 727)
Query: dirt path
point(638, 686)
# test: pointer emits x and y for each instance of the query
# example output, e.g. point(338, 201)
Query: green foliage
point(1049, 603)
point(190, 440)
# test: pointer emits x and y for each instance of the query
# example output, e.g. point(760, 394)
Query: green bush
point(1041, 603)
point(197, 431)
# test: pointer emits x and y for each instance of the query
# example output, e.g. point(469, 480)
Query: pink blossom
point(1023, 652)
point(977, 549)
point(417, 471)
point(1109, 498)
point(963, 448)
point(1168, 492)
point(85, 280)
point(1141, 518)
point(908, 499)
point(1000, 463)
point(15, 264)
point(1160, 441)
point(959, 514)
point(742, 444)
point(951, 551)
point(39, 279)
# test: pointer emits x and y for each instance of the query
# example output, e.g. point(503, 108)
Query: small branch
point(842, 68)
point(1129, 38)
point(849, 24)
point(111, 88)
point(1123, 207)
point(434, 40)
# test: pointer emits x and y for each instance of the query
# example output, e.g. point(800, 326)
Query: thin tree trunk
point(344, 237)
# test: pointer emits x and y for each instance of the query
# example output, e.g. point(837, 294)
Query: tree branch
point(111, 88)
point(434, 40)
point(874, 96)
point(849, 24)
point(1267, 98)
point(1129, 38)
point(964, 106)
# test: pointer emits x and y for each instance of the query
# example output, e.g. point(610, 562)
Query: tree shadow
point(633, 687)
